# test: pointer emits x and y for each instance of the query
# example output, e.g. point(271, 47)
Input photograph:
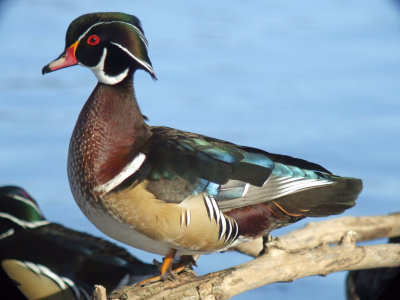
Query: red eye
point(93, 40)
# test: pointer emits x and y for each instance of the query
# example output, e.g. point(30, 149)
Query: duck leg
point(166, 266)
point(165, 269)
point(185, 261)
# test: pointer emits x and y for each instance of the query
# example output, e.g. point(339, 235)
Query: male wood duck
point(43, 260)
point(168, 191)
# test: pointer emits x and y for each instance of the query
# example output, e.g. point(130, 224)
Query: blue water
point(313, 79)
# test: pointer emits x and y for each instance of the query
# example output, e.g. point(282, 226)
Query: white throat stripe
point(102, 77)
point(129, 170)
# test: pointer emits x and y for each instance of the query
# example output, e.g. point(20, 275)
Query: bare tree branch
point(331, 231)
point(317, 249)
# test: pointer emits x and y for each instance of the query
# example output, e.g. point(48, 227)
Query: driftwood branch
point(319, 248)
point(331, 231)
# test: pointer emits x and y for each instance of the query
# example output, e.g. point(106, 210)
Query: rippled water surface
point(313, 79)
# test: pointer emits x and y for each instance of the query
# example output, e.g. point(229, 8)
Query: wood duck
point(168, 191)
point(43, 260)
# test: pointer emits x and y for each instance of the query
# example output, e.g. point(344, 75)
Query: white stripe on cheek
point(102, 77)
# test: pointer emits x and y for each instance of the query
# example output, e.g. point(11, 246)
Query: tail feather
point(323, 201)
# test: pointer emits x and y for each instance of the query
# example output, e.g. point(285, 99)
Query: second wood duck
point(44, 260)
point(168, 191)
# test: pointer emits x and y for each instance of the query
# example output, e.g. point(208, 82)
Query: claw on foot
point(270, 242)
point(168, 270)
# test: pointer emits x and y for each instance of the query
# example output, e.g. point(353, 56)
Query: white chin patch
point(102, 77)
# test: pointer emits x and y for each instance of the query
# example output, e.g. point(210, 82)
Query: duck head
point(18, 211)
point(112, 45)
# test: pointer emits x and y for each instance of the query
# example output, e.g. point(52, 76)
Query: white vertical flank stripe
point(223, 227)
point(187, 218)
point(216, 209)
point(209, 206)
point(182, 217)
